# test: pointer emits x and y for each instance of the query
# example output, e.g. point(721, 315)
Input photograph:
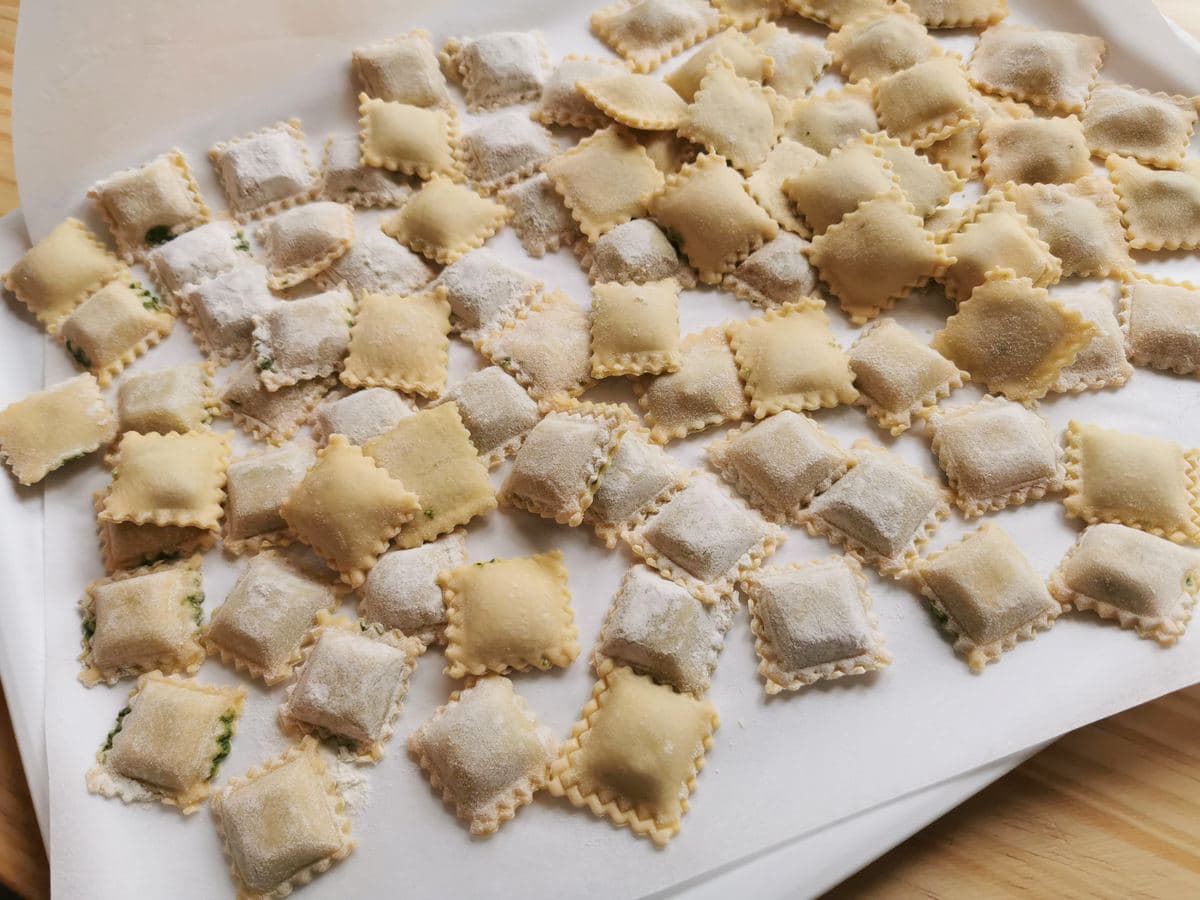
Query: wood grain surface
point(1111, 810)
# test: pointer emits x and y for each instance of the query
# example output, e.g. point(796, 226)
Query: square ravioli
point(959, 13)
point(876, 256)
point(635, 328)
point(360, 415)
point(59, 271)
point(1160, 321)
point(561, 103)
point(1080, 223)
point(169, 479)
point(1144, 482)
point(403, 69)
point(788, 358)
point(708, 211)
point(220, 310)
point(836, 13)
point(257, 487)
point(881, 43)
point(432, 451)
point(925, 183)
point(639, 477)
point(539, 216)
point(635, 754)
point(282, 823)
point(124, 545)
point(402, 590)
point(497, 412)
point(347, 180)
point(52, 427)
point(882, 511)
point(348, 508)
point(776, 274)
point(606, 179)
point(1142, 581)
point(644, 102)
point(648, 32)
point(1102, 363)
point(658, 628)
point(260, 627)
point(151, 204)
point(411, 140)
point(986, 594)
point(168, 742)
point(204, 252)
point(266, 171)
point(485, 752)
point(1155, 129)
point(376, 264)
point(705, 391)
point(995, 454)
point(504, 149)
point(960, 151)
point(177, 399)
point(443, 220)
point(734, 117)
point(1013, 337)
point(747, 59)
point(509, 614)
point(811, 622)
point(304, 339)
point(484, 292)
point(305, 241)
point(497, 69)
point(832, 188)
point(1033, 151)
point(898, 377)
point(145, 619)
point(925, 103)
point(351, 686)
point(1159, 208)
point(546, 346)
point(798, 64)
point(826, 121)
point(113, 327)
point(1054, 70)
point(780, 463)
point(636, 252)
point(271, 416)
point(555, 472)
point(787, 159)
point(703, 539)
point(400, 343)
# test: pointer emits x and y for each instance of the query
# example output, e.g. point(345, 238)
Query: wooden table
point(1111, 810)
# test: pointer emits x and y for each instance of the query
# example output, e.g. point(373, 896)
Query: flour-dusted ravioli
point(1159, 208)
point(497, 412)
point(260, 627)
point(638, 478)
point(797, 63)
point(545, 346)
point(708, 207)
point(959, 13)
point(497, 69)
point(996, 453)
point(54, 426)
point(539, 216)
point(788, 358)
point(748, 13)
point(1013, 337)
point(1160, 320)
point(509, 614)
point(347, 180)
point(266, 171)
point(995, 235)
point(113, 327)
point(271, 416)
point(304, 339)
point(813, 621)
point(704, 539)
point(605, 179)
point(1080, 223)
point(876, 256)
point(986, 594)
point(360, 415)
point(302, 242)
point(220, 310)
point(882, 511)
point(837, 13)
point(555, 472)
point(658, 628)
point(1101, 363)
point(443, 220)
point(1033, 151)
point(125, 546)
point(1142, 581)
point(504, 149)
point(881, 43)
point(776, 274)
point(925, 103)
point(485, 752)
point(283, 823)
point(145, 619)
point(169, 479)
point(376, 264)
point(60, 270)
point(636, 252)
point(926, 184)
point(351, 686)
point(402, 590)
point(831, 119)
point(780, 463)
point(151, 204)
point(412, 140)
point(257, 487)
point(484, 292)
point(1155, 129)
point(403, 69)
point(767, 184)
point(639, 101)
point(177, 399)
point(1054, 70)
point(561, 102)
point(168, 742)
point(960, 151)
point(204, 252)
point(635, 753)
point(647, 32)
point(635, 328)
point(829, 190)
point(747, 59)
point(1147, 483)
point(431, 450)
point(900, 378)
point(401, 343)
